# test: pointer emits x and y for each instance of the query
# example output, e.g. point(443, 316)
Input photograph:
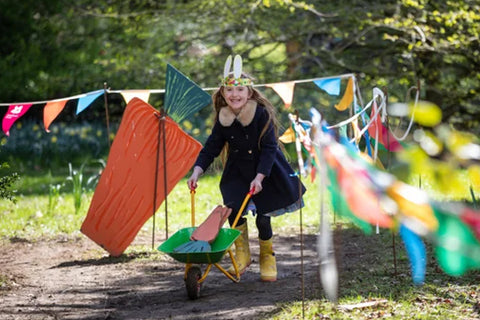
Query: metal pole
point(106, 112)
point(165, 185)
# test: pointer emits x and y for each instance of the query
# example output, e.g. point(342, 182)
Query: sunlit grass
point(32, 218)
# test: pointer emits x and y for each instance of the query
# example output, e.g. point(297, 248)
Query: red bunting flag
point(15, 111)
point(51, 111)
point(385, 137)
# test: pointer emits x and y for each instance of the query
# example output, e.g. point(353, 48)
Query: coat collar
point(245, 117)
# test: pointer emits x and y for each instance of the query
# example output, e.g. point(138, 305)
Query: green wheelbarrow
point(220, 245)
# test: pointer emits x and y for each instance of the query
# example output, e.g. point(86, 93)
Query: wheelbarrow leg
point(235, 267)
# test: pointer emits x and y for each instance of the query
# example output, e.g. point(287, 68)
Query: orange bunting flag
point(51, 111)
point(130, 94)
point(347, 98)
point(285, 91)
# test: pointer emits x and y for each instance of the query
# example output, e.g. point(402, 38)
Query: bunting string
point(342, 76)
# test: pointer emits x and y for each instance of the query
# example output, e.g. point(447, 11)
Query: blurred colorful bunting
point(288, 136)
point(385, 137)
point(472, 219)
point(285, 91)
point(416, 254)
point(87, 99)
point(14, 112)
point(457, 249)
point(331, 85)
point(347, 98)
point(368, 196)
point(51, 110)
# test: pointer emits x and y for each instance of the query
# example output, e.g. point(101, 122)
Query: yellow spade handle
point(244, 204)
point(192, 202)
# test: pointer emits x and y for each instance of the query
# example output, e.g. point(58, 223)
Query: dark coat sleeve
point(213, 146)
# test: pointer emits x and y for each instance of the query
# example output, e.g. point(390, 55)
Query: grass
point(367, 272)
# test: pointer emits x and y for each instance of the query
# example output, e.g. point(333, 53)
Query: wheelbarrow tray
point(219, 246)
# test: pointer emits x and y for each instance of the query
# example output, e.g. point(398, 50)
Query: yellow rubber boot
point(268, 263)
point(242, 250)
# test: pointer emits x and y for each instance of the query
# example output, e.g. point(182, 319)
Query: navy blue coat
point(281, 187)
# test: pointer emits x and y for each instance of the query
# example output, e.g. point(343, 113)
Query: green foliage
point(6, 184)
point(79, 186)
point(53, 197)
point(30, 148)
point(62, 49)
point(76, 178)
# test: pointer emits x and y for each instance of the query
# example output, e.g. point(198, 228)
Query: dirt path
point(75, 279)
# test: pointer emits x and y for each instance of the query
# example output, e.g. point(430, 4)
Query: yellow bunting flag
point(288, 136)
point(347, 98)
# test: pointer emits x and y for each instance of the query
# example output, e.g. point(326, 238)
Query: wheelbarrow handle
point(192, 203)
point(244, 204)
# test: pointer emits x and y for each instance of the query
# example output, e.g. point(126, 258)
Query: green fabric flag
point(457, 249)
point(182, 96)
point(340, 205)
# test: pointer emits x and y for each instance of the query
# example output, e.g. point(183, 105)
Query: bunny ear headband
point(237, 79)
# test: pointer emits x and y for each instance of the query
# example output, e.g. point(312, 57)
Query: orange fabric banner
point(124, 198)
point(347, 98)
point(51, 111)
point(285, 91)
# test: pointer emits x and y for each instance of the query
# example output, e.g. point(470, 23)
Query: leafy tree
point(57, 48)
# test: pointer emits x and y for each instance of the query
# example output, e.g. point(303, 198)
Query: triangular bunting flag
point(378, 130)
point(182, 96)
point(416, 253)
point(14, 112)
point(285, 91)
point(51, 110)
point(288, 136)
point(331, 86)
point(347, 98)
point(130, 94)
point(84, 102)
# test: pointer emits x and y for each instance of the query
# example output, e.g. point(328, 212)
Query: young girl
point(246, 129)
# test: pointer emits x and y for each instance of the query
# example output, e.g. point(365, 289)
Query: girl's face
point(236, 97)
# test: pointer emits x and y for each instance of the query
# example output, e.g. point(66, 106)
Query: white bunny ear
point(228, 64)
point(237, 67)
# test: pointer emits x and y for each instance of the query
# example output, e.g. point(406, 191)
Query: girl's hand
point(257, 183)
point(192, 181)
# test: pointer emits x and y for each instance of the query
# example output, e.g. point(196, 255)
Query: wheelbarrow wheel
point(194, 274)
